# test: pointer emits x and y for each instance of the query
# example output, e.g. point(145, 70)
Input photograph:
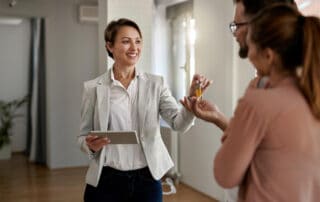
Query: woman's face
point(258, 57)
point(127, 46)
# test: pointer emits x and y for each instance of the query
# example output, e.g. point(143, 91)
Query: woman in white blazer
point(125, 99)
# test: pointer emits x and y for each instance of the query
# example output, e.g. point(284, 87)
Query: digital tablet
point(118, 137)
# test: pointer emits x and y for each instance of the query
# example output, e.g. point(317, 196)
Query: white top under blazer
point(123, 116)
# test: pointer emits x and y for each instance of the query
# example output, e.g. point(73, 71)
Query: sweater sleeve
point(240, 141)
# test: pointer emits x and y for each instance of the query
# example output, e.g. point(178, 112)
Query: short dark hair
point(252, 7)
point(113, 27)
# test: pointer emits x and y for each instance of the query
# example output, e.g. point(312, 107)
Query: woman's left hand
point(202, 109)
point(206, 110)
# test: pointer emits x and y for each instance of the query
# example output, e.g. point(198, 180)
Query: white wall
point(72, 57)
point(14, 67)
point(214, 60)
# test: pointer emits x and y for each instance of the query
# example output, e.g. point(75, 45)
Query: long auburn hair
point(296, 39)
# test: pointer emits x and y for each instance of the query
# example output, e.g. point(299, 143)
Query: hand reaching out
point(205, 110)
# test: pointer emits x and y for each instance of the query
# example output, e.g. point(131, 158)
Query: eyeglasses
point(233, 26)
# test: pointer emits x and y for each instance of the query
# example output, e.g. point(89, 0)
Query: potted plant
point(7, 115)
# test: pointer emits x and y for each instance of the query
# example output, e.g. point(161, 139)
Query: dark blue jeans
point(125, 186)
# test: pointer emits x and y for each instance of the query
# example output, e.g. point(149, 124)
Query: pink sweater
point(271, 147)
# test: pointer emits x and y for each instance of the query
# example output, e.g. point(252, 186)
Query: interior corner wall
point(214, 59)
point(102, 23)
point(72, 58)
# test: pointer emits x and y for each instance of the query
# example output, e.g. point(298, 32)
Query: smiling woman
point(123, 99)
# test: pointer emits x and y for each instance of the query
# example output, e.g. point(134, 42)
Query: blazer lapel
point(103, 93)
point(142, 100)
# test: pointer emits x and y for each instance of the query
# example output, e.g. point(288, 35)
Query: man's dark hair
point(252, 7)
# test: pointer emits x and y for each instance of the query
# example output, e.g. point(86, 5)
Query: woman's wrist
point(220, 120)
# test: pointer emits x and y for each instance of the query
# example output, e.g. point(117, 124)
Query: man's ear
point(109, 47)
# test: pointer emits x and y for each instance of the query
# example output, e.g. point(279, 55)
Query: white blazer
point(154, 99)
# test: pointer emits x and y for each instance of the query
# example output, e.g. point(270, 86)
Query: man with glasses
point(244, 11)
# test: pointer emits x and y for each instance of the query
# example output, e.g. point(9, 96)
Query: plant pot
point(5, 152)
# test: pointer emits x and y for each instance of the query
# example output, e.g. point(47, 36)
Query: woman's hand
point(95, 143)
point(205, 110)
point(210, 112)
point(198, 81)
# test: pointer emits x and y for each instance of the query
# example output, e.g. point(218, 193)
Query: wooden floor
point(21, 181)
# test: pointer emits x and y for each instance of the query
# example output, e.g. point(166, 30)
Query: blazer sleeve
point(178, 118)
point(87, 116)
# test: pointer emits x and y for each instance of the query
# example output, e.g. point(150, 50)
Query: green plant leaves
point(7, 115)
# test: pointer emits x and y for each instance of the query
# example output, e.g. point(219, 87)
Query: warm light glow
point(192, 32)
point(304, 5)
point(184, 23)
point(192, 35)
